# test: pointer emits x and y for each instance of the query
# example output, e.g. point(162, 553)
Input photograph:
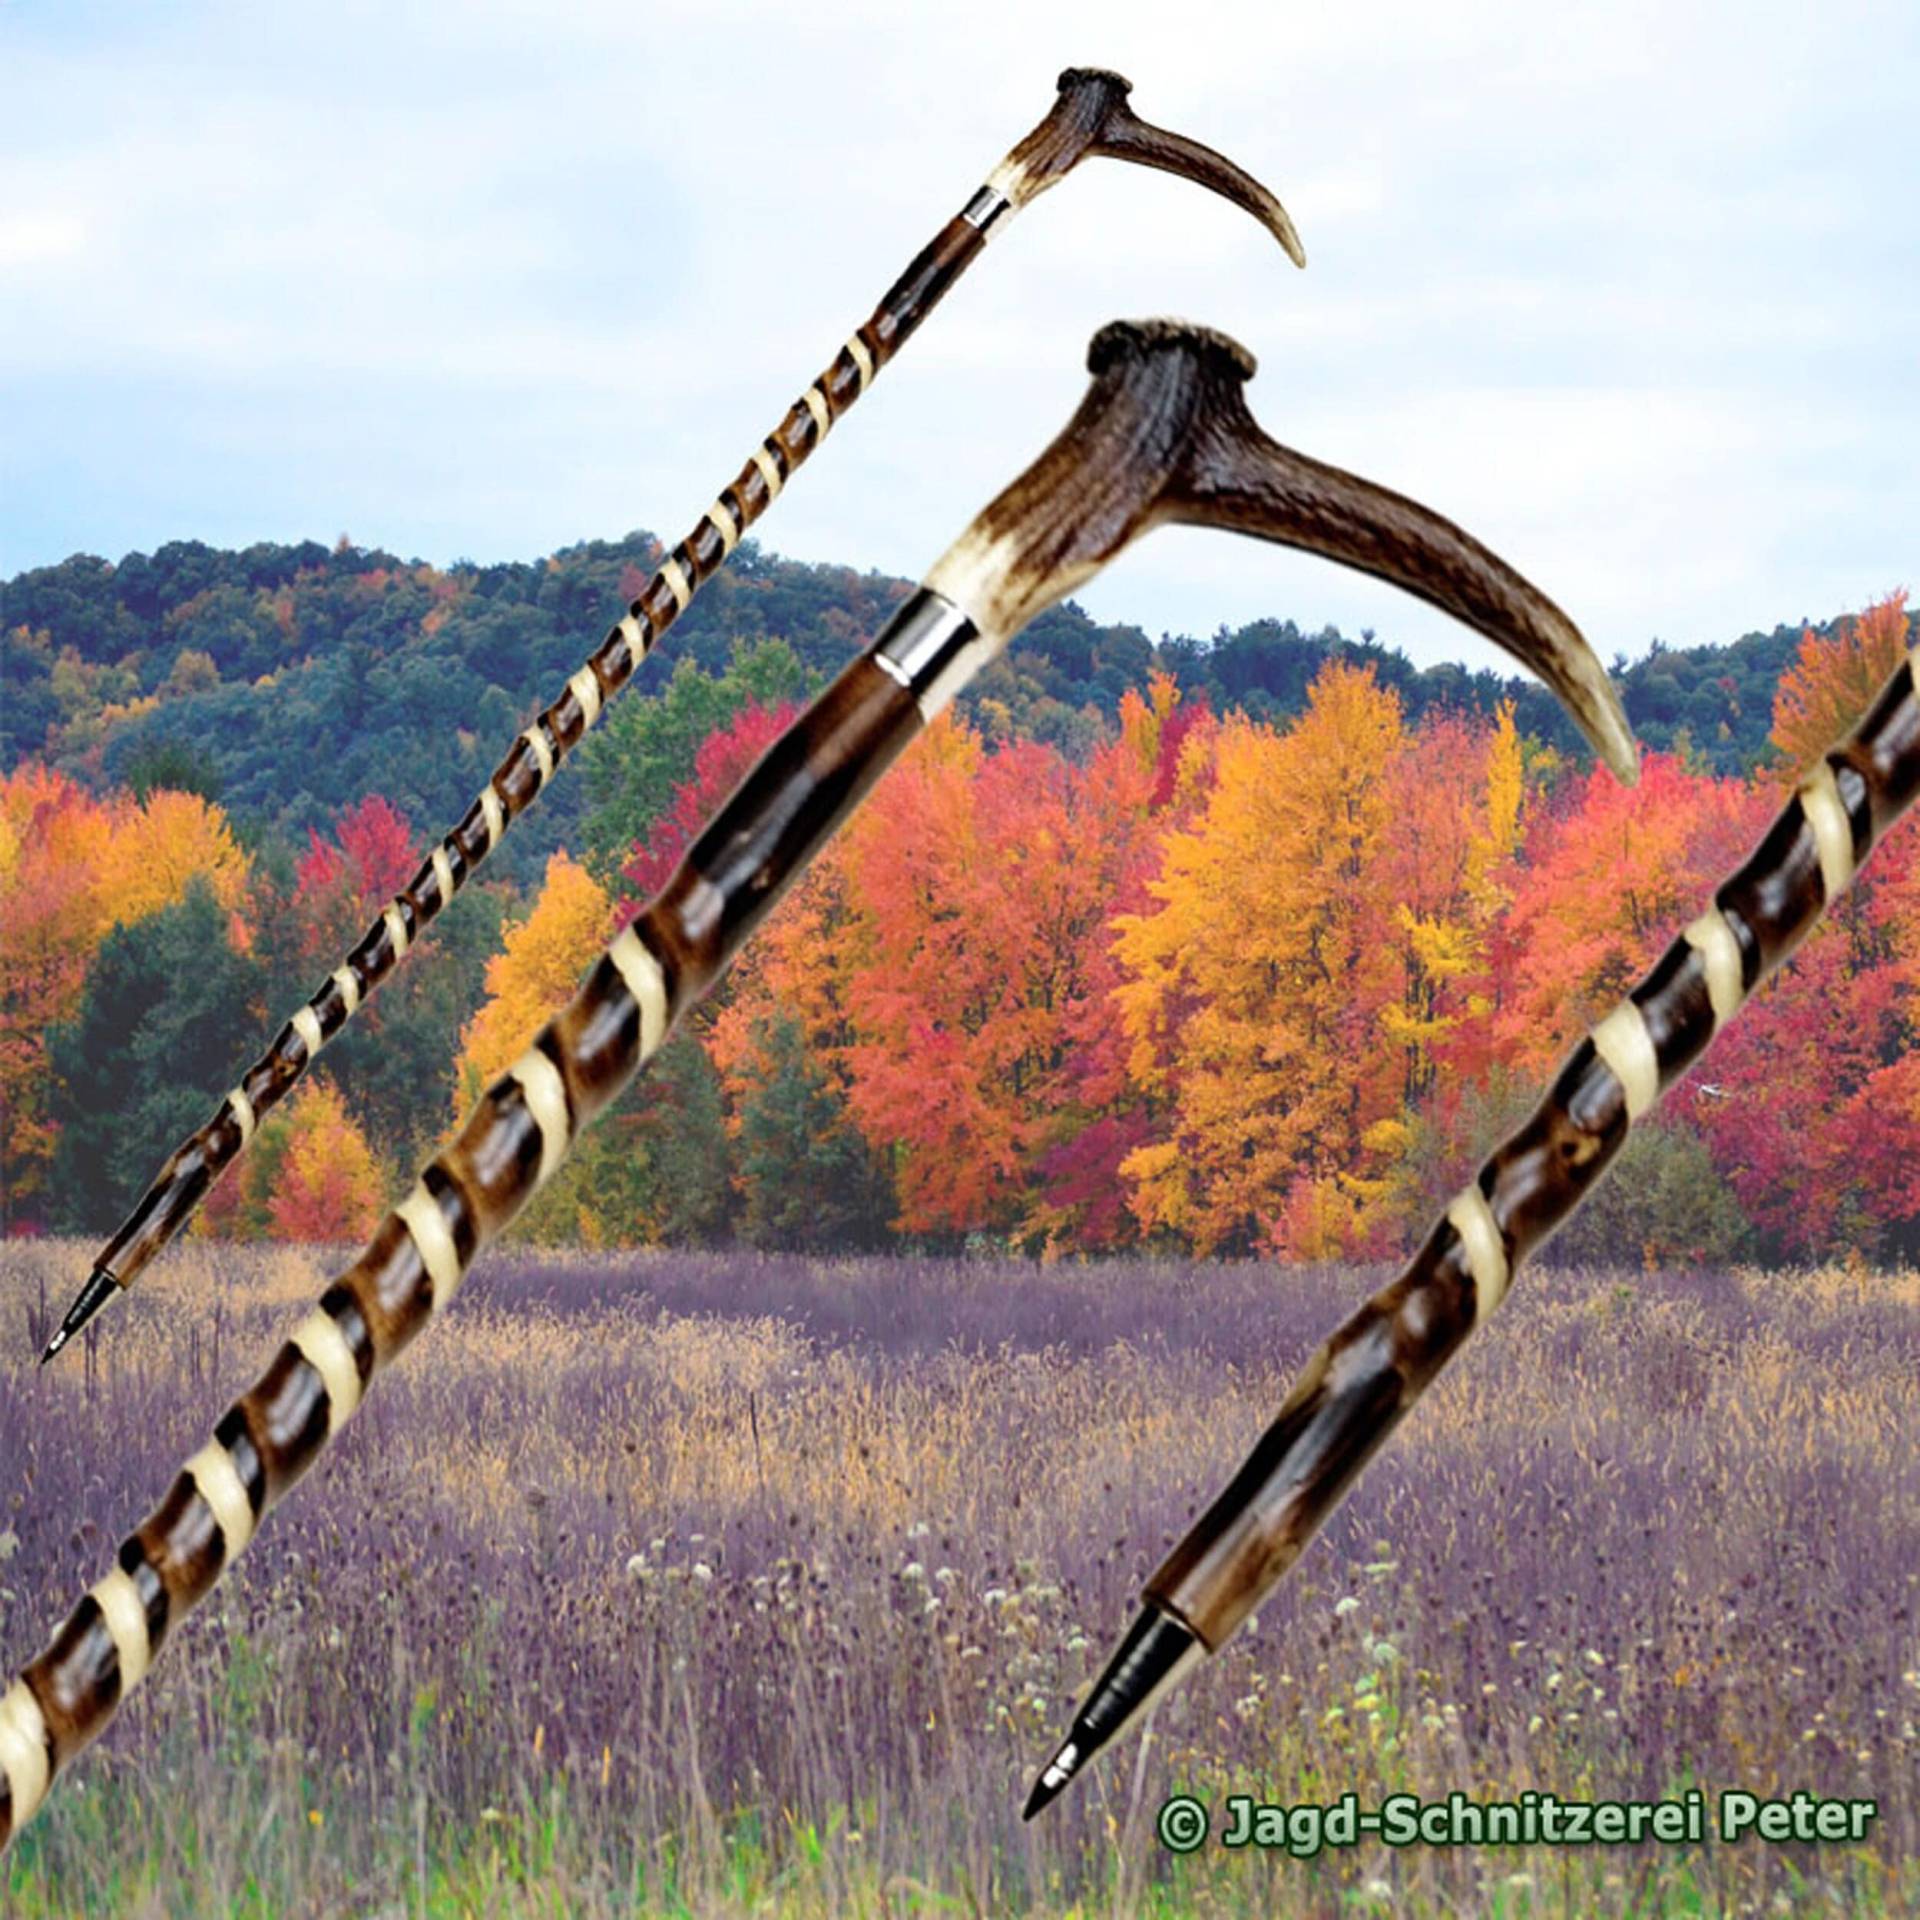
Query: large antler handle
point(1358, 1386)
point(1164, 402)
point(1089, 116)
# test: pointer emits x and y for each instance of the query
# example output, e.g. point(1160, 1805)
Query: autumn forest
point(1247, 946)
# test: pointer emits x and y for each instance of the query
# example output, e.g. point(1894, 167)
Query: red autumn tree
point(1814, 1116)
point(723, 761)
point(341, 883)
point(1611, 875)
point(980, 886)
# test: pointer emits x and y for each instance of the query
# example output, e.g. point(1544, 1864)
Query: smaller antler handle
point(1092, 116)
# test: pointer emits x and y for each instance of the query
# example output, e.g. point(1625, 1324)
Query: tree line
point(1227, 976)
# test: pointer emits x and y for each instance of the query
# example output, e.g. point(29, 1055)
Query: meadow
point(713, 1584)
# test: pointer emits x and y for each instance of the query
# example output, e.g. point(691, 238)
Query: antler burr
point(1163, 434)
point(1090, 117)
point(1359, 1385)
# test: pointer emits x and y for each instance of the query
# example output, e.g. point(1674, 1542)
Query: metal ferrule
point(932, 648)
point(986, 210)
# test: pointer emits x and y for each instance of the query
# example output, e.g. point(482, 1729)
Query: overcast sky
point(1632, 291)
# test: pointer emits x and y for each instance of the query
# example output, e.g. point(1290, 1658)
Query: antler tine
point(1252, 484)
point(1092, 116)
point(1128, 137)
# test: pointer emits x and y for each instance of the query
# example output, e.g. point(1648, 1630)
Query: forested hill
point(288, 681)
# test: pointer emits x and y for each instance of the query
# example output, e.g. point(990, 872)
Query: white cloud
point(1629, 290)
point(30, 239)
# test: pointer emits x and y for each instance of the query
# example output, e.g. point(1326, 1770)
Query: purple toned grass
point(709, 1572)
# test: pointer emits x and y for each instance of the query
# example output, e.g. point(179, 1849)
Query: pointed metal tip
point(100, 1288)
point(1157, 1650)
point(1053, 1780)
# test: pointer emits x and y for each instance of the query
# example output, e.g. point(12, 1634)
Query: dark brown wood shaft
point(190, 1170)
point(791, 802)
point(1363, 1380)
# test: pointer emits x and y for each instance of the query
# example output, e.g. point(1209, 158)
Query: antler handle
point(1089, 116)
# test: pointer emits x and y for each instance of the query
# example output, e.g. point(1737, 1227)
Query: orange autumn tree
point(72, 868)
point(1253, 993)
point(52, 835)
point(979, 884)
point(1826, 690)
point(326, 1183)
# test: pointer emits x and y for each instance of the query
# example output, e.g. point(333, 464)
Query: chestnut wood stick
point(1356, 1388)
point(1090, 116)
point(1163, 435)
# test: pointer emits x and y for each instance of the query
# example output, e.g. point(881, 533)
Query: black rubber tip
point(1155, 1646)
point(100, 1288)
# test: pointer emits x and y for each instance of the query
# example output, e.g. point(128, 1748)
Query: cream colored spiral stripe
point(23, 1751)
point(648, 985)
point(1623, 1042)
point(343, 978)
point(325, 1349)
point(536, 738)
point(1832, 832)
point(221, 1487)
point(546, 1097)
point(585, 688)
point(120, 1607)
point(725, 525)
point(420, 1214)
point(1486, 1251)
point(1712, 939)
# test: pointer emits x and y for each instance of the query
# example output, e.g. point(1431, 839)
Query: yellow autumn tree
point(73, 866)
point(158, 847)
point(1252, 995)
point(536, 972)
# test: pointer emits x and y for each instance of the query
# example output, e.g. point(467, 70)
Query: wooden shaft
point(1358, 1386)
point(199, 1160)
point(520, 1132)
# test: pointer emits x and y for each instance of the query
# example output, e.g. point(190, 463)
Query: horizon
point(1496, 662)
point(1629, 301)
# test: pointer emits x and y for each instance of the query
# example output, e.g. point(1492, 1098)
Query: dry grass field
point(711, 1585)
